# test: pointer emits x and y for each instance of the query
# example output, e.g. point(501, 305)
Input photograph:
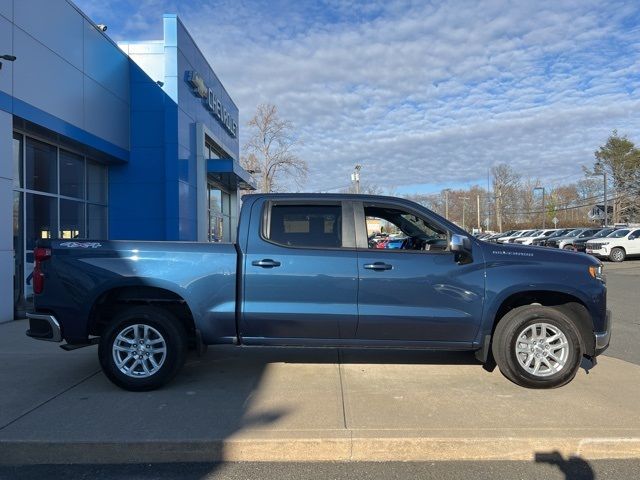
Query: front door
point(300, 273)
point(412, 288)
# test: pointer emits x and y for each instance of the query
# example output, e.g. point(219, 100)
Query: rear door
point(419, 292)
point(300, 273)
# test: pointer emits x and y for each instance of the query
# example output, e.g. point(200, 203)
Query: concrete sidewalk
point(301, 405)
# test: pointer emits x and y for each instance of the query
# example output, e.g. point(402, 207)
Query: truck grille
point(595, 246)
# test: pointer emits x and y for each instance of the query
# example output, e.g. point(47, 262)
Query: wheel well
point(571, 306)
point(116, 299)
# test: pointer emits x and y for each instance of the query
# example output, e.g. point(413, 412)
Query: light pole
point(600, 170)
point(544, 213)
point(355, 177)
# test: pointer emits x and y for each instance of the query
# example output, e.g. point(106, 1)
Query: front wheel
point(537, 347)
point(142, 348)
point(617, 255)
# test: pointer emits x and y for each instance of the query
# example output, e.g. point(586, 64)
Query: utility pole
point(478, 211)
point(464, 207)
point(600, 169)
point(355, 177)
point(498, 206)
point(446, 203)
point(544, 212)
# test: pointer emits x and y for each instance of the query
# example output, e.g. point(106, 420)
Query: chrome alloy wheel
point(542, 349)
point(139, 351)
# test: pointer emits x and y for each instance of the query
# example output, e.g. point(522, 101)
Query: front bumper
point(602, 339)
point(44, 327)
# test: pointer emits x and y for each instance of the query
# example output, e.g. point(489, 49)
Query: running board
point(74, 346)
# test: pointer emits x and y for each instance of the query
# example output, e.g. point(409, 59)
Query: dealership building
point(136, 140)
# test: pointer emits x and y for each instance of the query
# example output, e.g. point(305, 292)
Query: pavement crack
point(344, 410)
point(42, 404)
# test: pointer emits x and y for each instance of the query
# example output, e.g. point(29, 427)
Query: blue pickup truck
point(302, 273)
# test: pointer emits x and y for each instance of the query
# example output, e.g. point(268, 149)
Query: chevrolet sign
point(212, 102)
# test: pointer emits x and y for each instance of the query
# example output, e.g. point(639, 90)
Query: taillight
point(40, 254)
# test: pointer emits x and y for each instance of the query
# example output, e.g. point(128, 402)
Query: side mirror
point(460, 244)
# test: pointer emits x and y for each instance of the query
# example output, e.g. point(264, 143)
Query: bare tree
point(506, 187)
point(269, 152)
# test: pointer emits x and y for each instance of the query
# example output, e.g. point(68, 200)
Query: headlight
point(596, 272)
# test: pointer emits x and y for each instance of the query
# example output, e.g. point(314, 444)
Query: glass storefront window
point(96, 222)
point(41, 218)
point(96, 182)
point(47, 179)
point(17, 160)
point(71, 219)
point(41, 166)
point(71, 174)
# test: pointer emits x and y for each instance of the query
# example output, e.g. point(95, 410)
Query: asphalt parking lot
point(623, 296)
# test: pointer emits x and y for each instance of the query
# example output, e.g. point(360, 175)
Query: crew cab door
point(633, 245)
point(421, 292)
point(300, 273)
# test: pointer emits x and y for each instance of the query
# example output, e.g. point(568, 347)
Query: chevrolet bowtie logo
point(197, 83)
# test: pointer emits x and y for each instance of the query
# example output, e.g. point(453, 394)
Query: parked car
point(542, 242)
point(509, 236)
point(616, 246)
point(538, 234)
point(580, 244)
point(302, 273)
point(566, 242)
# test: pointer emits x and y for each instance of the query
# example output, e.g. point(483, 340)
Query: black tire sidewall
point(172, 332)
point(506, 336)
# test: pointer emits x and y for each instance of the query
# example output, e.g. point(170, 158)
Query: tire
point(568, 247)
point(519, 325)
point(617, 254)
point(157, 366)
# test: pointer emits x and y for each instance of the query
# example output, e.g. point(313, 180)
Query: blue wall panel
point(142, 192)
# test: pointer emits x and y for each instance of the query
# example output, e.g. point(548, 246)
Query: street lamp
point(600, 170)
point(544, 213)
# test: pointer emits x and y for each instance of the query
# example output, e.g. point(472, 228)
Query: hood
point(516, 252)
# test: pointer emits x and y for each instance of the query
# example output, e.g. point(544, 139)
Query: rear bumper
point(603, 338)
point(44, 327)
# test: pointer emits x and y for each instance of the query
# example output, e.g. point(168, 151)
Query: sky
point(424, 95)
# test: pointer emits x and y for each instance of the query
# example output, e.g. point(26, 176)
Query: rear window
point(306, 225)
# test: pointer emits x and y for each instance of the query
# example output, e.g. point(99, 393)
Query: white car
point(617, 246)
point(528, 240)
point(508, 238)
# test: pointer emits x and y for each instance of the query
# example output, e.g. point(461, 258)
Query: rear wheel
point(568, 247)
point(617, 255)
point(142, 348)
point(537, 347)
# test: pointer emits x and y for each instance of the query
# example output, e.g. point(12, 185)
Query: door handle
point(265, 263)
point(378, 266)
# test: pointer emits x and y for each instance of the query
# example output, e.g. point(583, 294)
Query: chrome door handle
point(265, 263)
point(378, 266)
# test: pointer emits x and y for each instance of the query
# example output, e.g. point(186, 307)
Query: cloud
point(422, 93)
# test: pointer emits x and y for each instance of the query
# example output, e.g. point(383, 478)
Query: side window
point(395, 229)
point(306, 225)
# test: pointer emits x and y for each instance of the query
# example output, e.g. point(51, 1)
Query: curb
point(317, 449)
